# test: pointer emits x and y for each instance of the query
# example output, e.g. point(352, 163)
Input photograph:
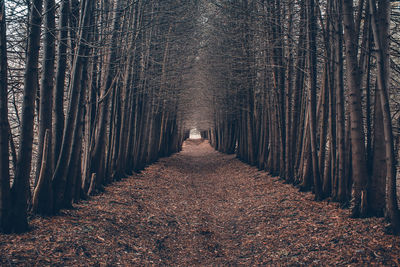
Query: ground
point(202, 208)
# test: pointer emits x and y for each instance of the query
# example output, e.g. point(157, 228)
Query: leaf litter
point(201, 208)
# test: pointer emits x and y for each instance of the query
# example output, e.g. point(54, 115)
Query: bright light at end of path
point(194, 134)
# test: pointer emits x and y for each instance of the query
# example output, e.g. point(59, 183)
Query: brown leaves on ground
point(201, 208)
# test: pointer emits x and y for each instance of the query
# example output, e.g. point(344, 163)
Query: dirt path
point(201, 208)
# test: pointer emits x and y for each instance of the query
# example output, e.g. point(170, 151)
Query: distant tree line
point(89, 93)
point(309, 91)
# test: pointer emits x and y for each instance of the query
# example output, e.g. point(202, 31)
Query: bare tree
point(5, 222)
point(45, 111)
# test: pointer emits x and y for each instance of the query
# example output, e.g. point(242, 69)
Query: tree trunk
point(359, 167)
point(42, 197)
point(312, 62)
point(46, 97)
point(340, 111)
point(19, 190)
point(58, 101)
point(5, 222)
point(288, 102)
point(378, 179)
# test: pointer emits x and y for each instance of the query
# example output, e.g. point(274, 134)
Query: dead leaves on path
point(201, 208)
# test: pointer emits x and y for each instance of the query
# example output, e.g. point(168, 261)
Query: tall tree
point(5, 222)
point(19, 190)
point(58, 93)
point(340, 181)
point(312, 105)
point(46, 102)
point(359, 164)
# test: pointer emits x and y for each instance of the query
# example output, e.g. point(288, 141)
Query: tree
point(5, 222)
point(20, 187)
point(45, 111)
point(312, 105)
point(58, 93)
point(359, 167)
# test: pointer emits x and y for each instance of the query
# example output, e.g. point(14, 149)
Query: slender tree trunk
point(340, 111)
point(378, 180)
point(288, 102)
point(295, 137)
point(46, 101)
point(312, 62)
point(19, 190)
point(359, 167)
point(58, 100)
point(5, 222)
point(323, 130)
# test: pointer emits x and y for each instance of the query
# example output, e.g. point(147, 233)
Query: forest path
point(201, 208)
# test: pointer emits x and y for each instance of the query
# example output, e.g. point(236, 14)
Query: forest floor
point(201, 208)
